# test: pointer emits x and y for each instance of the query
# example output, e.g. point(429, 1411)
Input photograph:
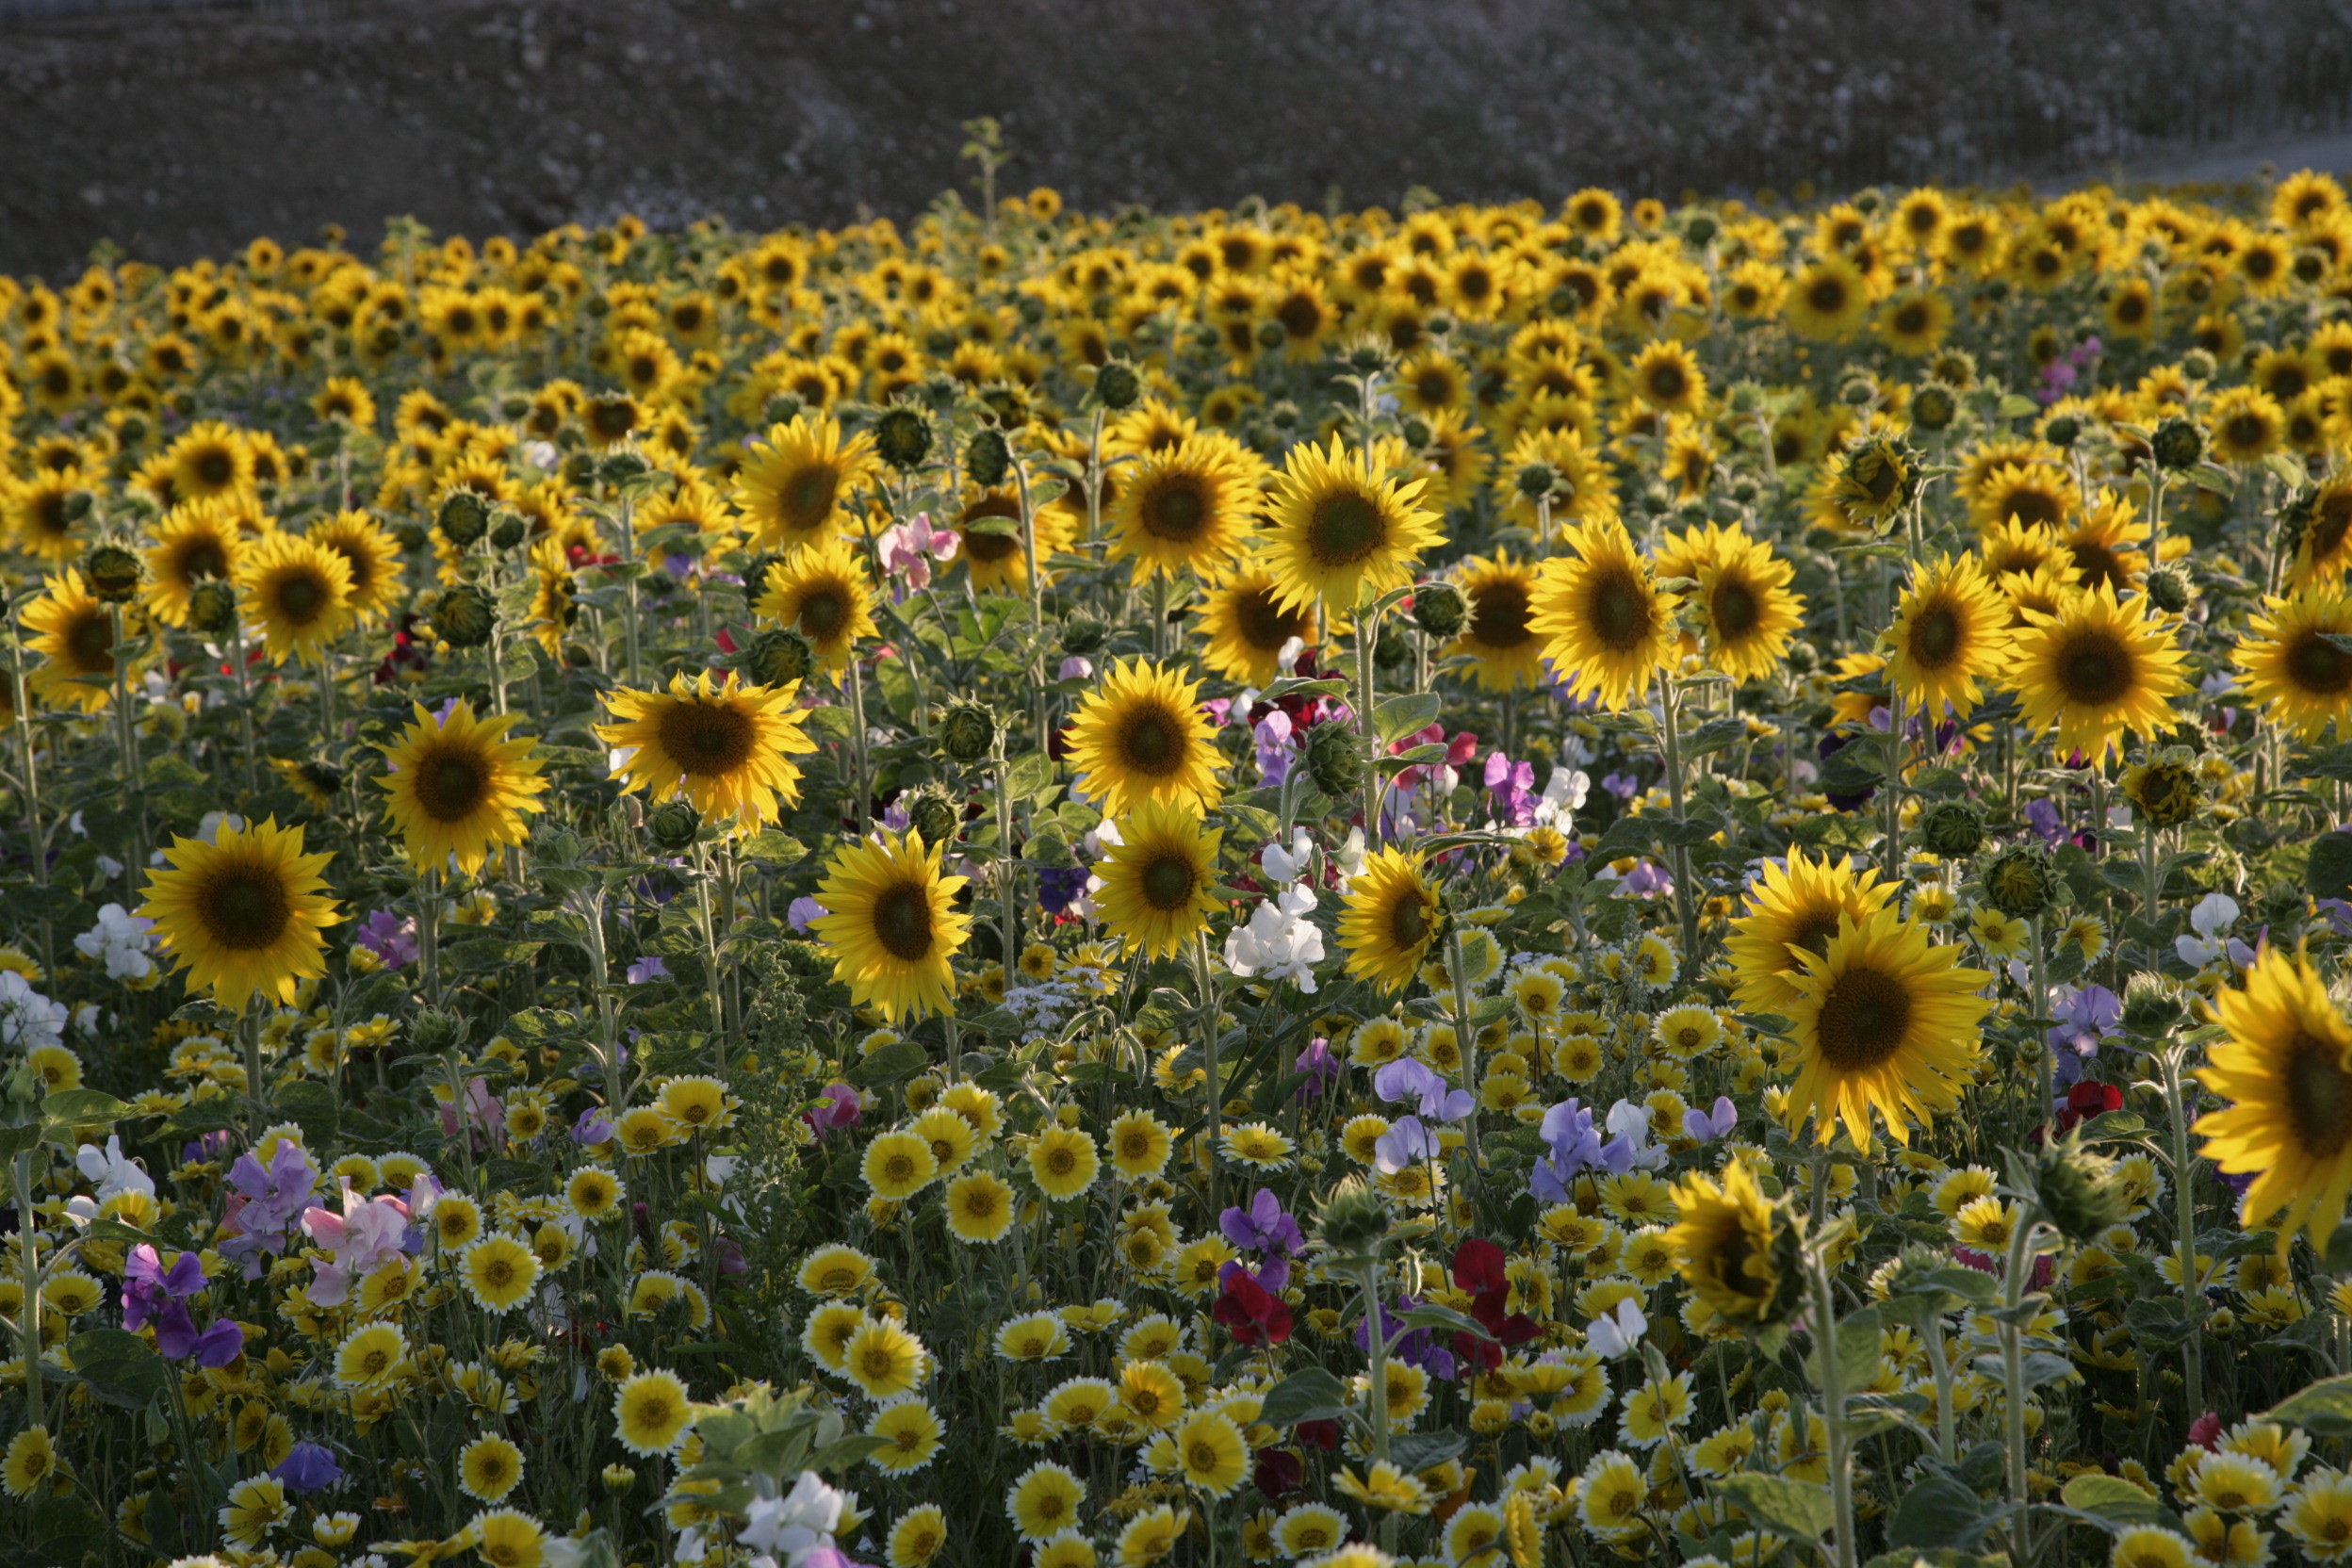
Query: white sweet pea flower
point(1617, 1333)
point(1289, 865)
point(1563, 796)
point(1351, 855)
point(2213, 917)
point(111, 1170)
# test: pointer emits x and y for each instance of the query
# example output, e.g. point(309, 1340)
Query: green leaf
point(120, 1367)
point(896, 1061)
point(777, 849)
point(1431, 1316)
point(1858, 1348)
point(1937, 1512)
point(1309, 1395)
point(313, 1105)
point(489, 953)
point(82, 1109)
point(2324, 1408)
point(842, 1453)
point(2114, 1501)
point(2329, 872)
point(1799, 1509)
point(1398, 716)
point(1424, 1450)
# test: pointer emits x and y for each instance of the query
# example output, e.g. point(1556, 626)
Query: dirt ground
point(183, 132)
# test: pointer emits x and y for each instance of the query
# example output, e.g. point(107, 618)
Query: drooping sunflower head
point(2325, 549)
point(1157, 881)
point(299, 591)
point(2093, 670)
point(2286, 1072)
point(1795, 907)
point(726, 746)
point(1608, 629)
point(821, 591)
point(1733, 1249)
point(1391, 919)
point(891, 925)
point(1949, 630)
point(197, 541)
point(1498, 630)
point(1338, 528)
point(1248, 627)
point(2291, 668)
point(1141, 736)
point(243, 914)
point(459, 786)
point(1188, 507)
point(795, 483)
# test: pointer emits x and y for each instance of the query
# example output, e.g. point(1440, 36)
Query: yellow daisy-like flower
point(1499, 633)
point(1157, 880)
point(1064, 1162)
point(899, 1164)
point(823, 593)
point(981, 1207)
point(2289, 666)
point(910, 1430)
point(1608, 629)
point(891, 925)
point(243, 914)
point(651, 1412)
point(488, 1468)
point(884, 1360)
point(1336, 529)
point(1189, 507)
point(1792, 907)
point(1141, 736)
point(72, 630)
point(370, 1357)
point(1140, 1144)
point(1390, 919)
point(1044, 1500)
point(459, 787)
point(299, 591)
point(371, 555)
point(498, 1272)
point(794, 483)
point(2286, 1071)
point(1723, 1243)
point(1211, 1454)
point(1248, 627)
point(727, 747)
point(1884, 1020)
point(2094, 670)
point(1951, 629)
point(509, 1537)
point(31, 1463)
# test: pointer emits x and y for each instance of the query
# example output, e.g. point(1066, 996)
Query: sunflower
point(1915, 322)
point(1951, 627)
point(1141, 736)
point(459, 787)
point(2030, 491)
point(1883, 1020)
point(726, 747)
point(891, 925)
point(1748, 612)
point(2107, 542)
point(1666, 376)
point(2094, 669)
point(210, 460)
point(1337, 530)
point(373, 555)
point(2291, 668)
point(793, 483)
point(1390, 920)
point(1828, 301)
point(2247, 423)
point(1247, 628)
point(1497, 635)
point(300, 591)
point(1724, 1244)
point(1157, 880)
point(45, 513)
point(1793, 907)
point(73, 632)
point(2326, 547)
point(2286, 1071)
point(1607, 629)
point(823, 593)
point(243, 914)
point(988, 525)
point(197, 541)
point(1189, 507)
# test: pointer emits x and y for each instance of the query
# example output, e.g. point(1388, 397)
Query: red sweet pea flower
point(1253, 1314)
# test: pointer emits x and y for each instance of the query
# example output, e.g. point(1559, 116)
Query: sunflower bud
point(1954, 829)
point(2170, 589)
point(1933, 408)
point(464, 616)
point(935, 814)
point(74, 505)
point(1537, 481)
point(2019, 882)
point(2197, 364)
point(435, 1031)
point(1354, 1221)
point(211, 607)
point(113, 571)
point(1116, 386)
point(2063, 431)
point(1335, 759)
point(779, 657)
point(988, 459)
point(901, 437)
point(1699, 229)
point(622, 467)
point(1439, 608)
point(506, 528)
point(968, 732)
point(2178, 443)
point(781, 408)
point(1802, 657)
point(1081, 635)
point(2079, 1191)
point(672, 825)
point(463, 517)
point(2151, 1006)
point(619, 1478)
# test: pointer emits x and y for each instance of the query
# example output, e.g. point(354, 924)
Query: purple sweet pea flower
point(1059, 886)
point(1406, 1078)
point(1263, 1226)
point(1319, 1065)
point(1417, 1348)
point(1274, 748)
point(801, 911)
point(647, 967)
point(1705, 1127)
point(1622, 785)
point(264, 1203)
point(389, 938)
point(1406, 1141)
point(1513, 785)
point(592, 1128)
point(1648, 878)
point(1575, 1143)
point(308, 1467)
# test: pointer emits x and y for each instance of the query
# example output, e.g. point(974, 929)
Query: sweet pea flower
point(1707, 1126)
point(1263, 1227)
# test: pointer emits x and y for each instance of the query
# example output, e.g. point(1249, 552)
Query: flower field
point(1524, 885)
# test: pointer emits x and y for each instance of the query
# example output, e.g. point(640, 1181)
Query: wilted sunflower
point(2094, 670)
point(1498, 633)
point(891, 925)
point(1140, 735)
point(1337, 531)
point(822, 593)
point(243, 914)
point(299, 591)
point(1247, 628)
point(1792, 907)
point(1951, 629)
point(1157, 880)
point(373, 555)
point(2286, 1071)
point(197, 541)
point(1885, 1020)
point(1390, 919)
point(73, 632)
point(1607, 629)
point(1746, 607)
point(1189, 507)
point(2291, 668)
point(727, 747)
point(795, 482)
point(459, 787)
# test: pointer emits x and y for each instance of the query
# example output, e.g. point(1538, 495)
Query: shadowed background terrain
point(179, 129)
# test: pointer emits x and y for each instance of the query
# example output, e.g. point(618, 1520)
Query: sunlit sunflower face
point(2323, 553)
point(210, 460)
point(459, 787)
point(243, 915)
point(2303, 680)
point(726, 747)
point(1338, 530)
point(1795, 909)
point(1156, 881)
point(2094, 670)
point(1188, 507)
point(2029, 492)
point(795, 484)
point(1887, 1023)
point(891, 925)
point(1247, 628)
point(297, 591)
point(1948, 631)
point(2286, 1074)
point(1141, 736)
point(1390, 920)
point(821, 591)
point(1500, 632)
point(1609, 629)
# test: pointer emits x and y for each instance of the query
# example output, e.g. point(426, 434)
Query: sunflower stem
point(2041, 1010)
point(629, 580)
point(859, 808)
point(2184, 1198)
point(1467, 1042)
point(28, 1254)
point(1939, 1365)
point(1677, 856)
point(1834, 1408)
point(36, 840)
point(1208, 977)
point(429, 932)
point(244, 698)
point(2013, 1387)
point(249, 1035)
point(126, 730)
point(1365, 617)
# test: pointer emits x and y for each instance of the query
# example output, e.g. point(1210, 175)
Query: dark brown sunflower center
point(1498, 614)
point(1827, 295)
point(2319, 1094)
point(2034, 506)
point(1408, 921)
point(2246, 430)
point(1912, 318)
point(450, 784)
point(244, 907)
point(2093, 668)
point(1176, 509)
point(1152, 742)
point(1345, 528)
point(214, 467)
point(1864, 1019)
point(703, 738)
point(1620, 610)
point(1667, 381)
point(2099, 565)
point(806, 498)
point(1813, 936)
point(821, 612)
point(991, 547)
point(301, 598)
point(1935, 636)
point(204, 558)
point(1264, 625)
point(2330, 522)
point(1168, 882)
point(2315, 664)
point(91, 642)
point(1733, 608)
point(902, 922)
